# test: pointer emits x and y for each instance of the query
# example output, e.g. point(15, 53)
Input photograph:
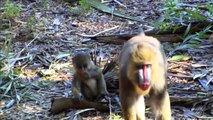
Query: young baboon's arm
point(76, 88)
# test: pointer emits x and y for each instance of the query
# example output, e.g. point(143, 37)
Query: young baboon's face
point(81, 62)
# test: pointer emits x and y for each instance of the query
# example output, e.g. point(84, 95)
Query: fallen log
point(164, 36)
point(60, 105)
point(120, 39)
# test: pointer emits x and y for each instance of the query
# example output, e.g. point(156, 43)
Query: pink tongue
point(145, 84)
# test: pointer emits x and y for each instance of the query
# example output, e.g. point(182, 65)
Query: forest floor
point(57, 33)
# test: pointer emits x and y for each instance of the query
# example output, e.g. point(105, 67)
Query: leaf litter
point(48, 71)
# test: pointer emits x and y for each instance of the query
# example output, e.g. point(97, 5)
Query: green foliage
point(83, 7)
point(11, 9)
point(194, 14)
point(177, 14)
point(179, 57)
point(6, 47)
point(163, 26)
point(9, 76)
point(31, 21)
point(115, 117)
point(192, 41)
point(44, 3)
point(6, 73)
point(198, 37)
point(210, 7)
point(170, 7)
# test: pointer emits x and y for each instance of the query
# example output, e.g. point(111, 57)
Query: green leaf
point(189, 37)
point(104, 8)
point(187, 30)
point(10, 9)
point(187, 46)
point(180, 57)
point(195, 15)
point(197, 39)
point(194, 42)
point(176, 28)
point(8, 88)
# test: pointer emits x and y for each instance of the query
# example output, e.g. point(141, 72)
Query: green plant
point(31, 21)
point(170, 7)
point(115, 117)
point(163, 26)
point(6, 71)
point(181, 12)
point(210, 7)
point(179, 57)
point(82, 8)
point(44, 3)
point(11, 10)
point(177, 14)
point(10, 85)
point(192, 41)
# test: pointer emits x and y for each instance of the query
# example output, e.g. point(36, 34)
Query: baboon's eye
point(139, 66)
point(148, 65)
point(78, 66)
point(84, 66)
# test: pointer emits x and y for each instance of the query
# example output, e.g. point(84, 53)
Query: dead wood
point(120, 39)
point(163, 36)
point(60, 105)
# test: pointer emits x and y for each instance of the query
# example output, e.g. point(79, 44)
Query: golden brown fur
point(143, 50)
